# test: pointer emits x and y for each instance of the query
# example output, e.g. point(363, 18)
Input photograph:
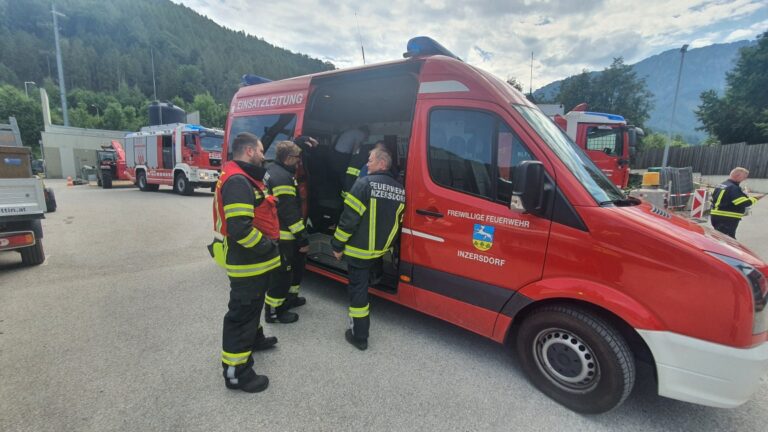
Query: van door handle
point(429, 213)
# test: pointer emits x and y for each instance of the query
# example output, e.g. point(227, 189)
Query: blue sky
point(565, 36)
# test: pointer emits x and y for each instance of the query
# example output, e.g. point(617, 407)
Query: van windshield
point(597, 184)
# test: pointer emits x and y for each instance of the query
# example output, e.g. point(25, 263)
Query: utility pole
point(674, 106)
point(62, 87)
point(530, 83)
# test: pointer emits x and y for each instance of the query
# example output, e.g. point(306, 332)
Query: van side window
point(606, 140)
point(511, 153)
point(460, 143)
point(269, 128)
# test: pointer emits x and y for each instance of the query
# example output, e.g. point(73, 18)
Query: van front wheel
point(576, 358)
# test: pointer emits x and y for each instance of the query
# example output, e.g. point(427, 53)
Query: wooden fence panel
point(715, 160)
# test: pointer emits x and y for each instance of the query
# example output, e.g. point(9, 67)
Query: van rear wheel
point(576, 358)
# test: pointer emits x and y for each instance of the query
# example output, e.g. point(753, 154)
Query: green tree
point(114, 117)
point(515, 83)
point(14, 103)
point(615, 90)
point(653, 141)
point(575, 90)
point(212, 114)
point(741, 114)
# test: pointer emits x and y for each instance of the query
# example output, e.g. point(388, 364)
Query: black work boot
point(263, 342)
point(361, 344)
point(279, 315)
point(293, 300)
point(248, 382)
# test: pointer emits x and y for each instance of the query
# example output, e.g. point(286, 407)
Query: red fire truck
point(606, 138)
point(512, 232)
point(183, 156)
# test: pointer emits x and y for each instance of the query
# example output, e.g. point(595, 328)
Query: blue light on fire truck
point(608, 116)
point(250, 79)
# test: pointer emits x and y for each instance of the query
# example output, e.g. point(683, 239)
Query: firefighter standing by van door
point(294, 242)
point(369, 225)
point(246, 217)
point(729, 203)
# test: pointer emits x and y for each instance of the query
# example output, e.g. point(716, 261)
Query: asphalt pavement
point(120, 329)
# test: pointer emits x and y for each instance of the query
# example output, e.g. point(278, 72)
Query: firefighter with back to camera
point(367, 229)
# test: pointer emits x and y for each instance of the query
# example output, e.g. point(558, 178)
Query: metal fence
point(715, 160)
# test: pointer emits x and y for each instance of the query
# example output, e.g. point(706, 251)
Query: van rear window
point(269, 128)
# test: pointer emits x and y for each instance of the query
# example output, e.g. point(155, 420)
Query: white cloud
point(566, 36)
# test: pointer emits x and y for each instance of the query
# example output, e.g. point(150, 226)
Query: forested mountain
point(704, 69)
point(106, 43)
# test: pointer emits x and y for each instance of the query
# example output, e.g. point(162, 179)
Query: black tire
point(50, 200)
point(181, 185)
point(33, 255)
point(141, 182)
point(106, 179)
point(576, 358)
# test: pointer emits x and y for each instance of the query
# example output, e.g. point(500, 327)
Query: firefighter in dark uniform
point(729, 203)
point(356, 162)
point(368, 227)
point(294, 242)
point(246, 217)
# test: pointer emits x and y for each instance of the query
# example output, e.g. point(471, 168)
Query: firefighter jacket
point(356, 162)
point(370, 222)
point(281, 181)
point(246, 216)
point(728, 200)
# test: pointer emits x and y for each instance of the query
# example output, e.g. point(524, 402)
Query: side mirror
point(528, 188)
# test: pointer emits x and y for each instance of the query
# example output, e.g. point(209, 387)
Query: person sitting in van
point(346, 147)
point(357, 166)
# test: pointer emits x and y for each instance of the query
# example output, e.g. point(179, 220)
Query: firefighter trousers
point(241, 322)
point(359, 308)
point(288, 276)
point(297, 271)
point(725, 225)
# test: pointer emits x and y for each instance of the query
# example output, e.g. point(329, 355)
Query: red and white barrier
point(699, 203)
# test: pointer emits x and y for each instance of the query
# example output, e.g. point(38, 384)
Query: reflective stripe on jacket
point(282, 183)
point(246, 216)
point(373, 213)
point(728, 200)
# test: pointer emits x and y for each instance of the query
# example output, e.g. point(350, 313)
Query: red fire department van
point(513, 233)
point(183, 156)
point(606, 138)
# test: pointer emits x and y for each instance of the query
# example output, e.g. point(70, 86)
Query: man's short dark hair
point(380, 153)
point(243, 140)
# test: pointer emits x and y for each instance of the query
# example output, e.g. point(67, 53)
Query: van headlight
point(759, 287)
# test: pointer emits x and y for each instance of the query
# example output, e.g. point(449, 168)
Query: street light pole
point(62, 87)
point(26, 90)
point(674, 106)
point(97, 109)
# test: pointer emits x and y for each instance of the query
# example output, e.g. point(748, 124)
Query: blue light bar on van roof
point(425, 46)
point(250, 79)
point(613, 117)
point(193, 127)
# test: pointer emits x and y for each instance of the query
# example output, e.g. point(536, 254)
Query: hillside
point(704, 68)
point(105, 43)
